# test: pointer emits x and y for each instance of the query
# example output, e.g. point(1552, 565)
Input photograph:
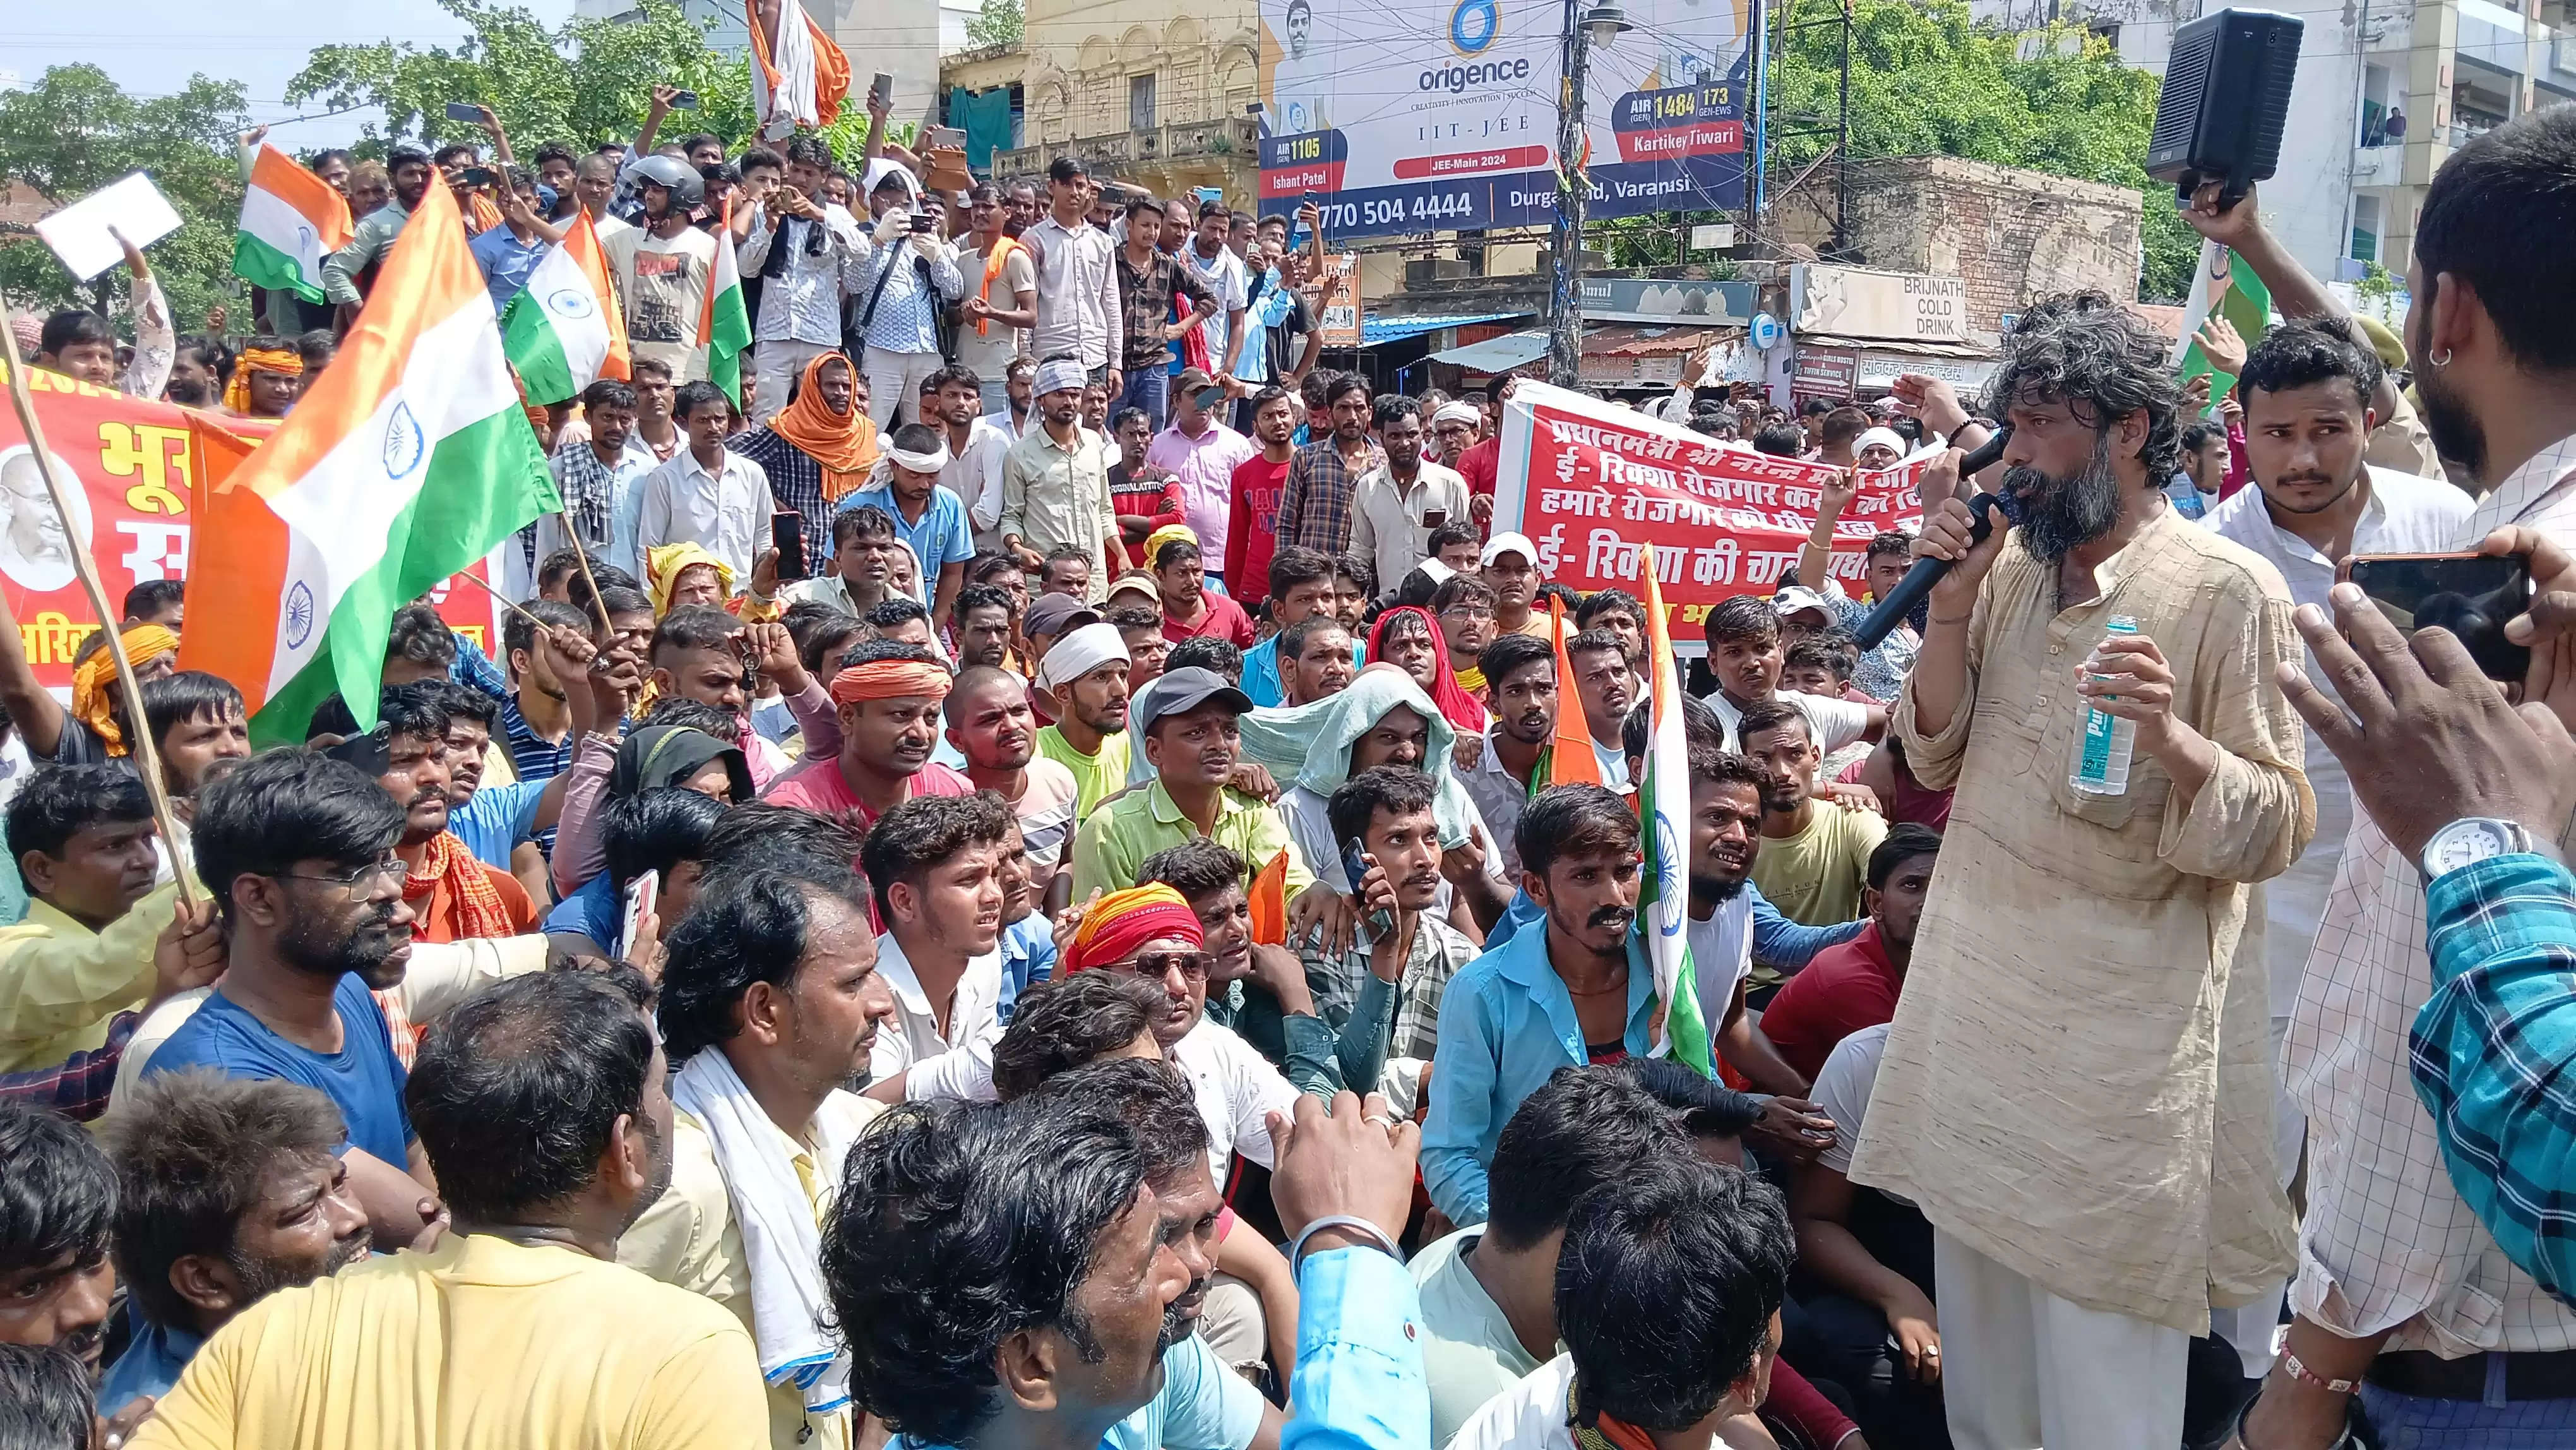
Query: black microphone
point(1918, 580)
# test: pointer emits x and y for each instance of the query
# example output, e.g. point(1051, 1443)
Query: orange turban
point(94, 683)
point(1122, 921)
point(890, 680)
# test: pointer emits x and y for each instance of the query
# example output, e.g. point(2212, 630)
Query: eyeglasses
point(1466, 611)
point(357, 879)
point(1158, 965)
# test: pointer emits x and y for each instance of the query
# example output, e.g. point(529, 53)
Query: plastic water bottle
point(2102, 752)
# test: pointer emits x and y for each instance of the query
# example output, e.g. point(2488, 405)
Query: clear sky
point(153, 46)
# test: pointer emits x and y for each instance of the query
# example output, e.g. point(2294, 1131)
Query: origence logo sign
point(1473, 28)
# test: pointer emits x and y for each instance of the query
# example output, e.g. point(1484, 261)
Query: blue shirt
point(597, 911)
point(363, 1079)
point(506, 262)
point(2492, 1051)
point(1028, 958)
point(1506, 1024)
point(1261, 679)
point(496, 818)
point(941, 538)
point(1359, 1382)
point(475, 668)
point(151, 1364)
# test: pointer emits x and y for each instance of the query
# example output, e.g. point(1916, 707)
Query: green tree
point(1000, 22)
point(1926, 78)
point(75, 131)
point(584, 82)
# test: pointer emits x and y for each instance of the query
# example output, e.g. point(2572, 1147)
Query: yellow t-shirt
point(1095, 777)
point(479, 1344)
point(1815, 877)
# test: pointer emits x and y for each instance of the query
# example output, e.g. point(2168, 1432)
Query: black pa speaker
point(2226, 95)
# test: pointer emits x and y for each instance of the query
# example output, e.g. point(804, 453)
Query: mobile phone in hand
point(787, 536)
point(465, 111)
point(643, 897)
point(2471, 595)
point(881, 90)
point(684, 100)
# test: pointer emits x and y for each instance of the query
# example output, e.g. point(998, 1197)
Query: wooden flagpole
point(147, 752)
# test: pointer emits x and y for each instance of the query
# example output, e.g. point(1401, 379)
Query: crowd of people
point(994, 985)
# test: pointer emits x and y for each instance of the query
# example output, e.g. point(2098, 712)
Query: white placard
point(80, 233)
point(1712, 236)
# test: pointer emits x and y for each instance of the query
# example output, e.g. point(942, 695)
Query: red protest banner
point(141, 465)
point(1607, 493)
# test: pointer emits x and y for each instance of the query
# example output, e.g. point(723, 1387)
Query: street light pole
point(1565, 312)
point(1584, 29)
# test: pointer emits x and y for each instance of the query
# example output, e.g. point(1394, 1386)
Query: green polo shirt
point(1117, 838)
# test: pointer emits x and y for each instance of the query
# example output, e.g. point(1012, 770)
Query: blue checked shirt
point(907, 313)
point(2494, 1053)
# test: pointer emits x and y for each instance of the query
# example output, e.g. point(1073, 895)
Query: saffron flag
point(1270, 903)
point(1569, 758)
point(565, 329)
point(1664, 812)
point(408, 461)
point(799, 78)
point(724, 328)
point(290, 220)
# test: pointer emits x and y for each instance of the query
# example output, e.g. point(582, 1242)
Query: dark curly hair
point(2100, 360)
point(959, 1225)
point(751, 927)
point(2309, 350)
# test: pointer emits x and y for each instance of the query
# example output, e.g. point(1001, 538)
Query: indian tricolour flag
point(409, 460)
point(564, 329)
point(724, 328)
point(1664, 810)
point(290, 220)
point(2225, 284)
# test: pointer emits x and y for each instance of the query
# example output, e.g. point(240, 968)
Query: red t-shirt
point(1157, 498)
point(1223, 618)
point(817, 785)
point(1844, 989)
point(1476, 465)
point(1254, 537)
point(1915, 802)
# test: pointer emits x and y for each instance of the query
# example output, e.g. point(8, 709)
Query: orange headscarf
point(844, 443)
point(94, 682)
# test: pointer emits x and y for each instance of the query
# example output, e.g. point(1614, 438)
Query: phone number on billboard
point(1452, 208)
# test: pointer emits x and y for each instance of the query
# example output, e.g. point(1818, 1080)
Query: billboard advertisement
point(1400, 116)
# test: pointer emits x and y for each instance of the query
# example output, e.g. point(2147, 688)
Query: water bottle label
point(2098, 728)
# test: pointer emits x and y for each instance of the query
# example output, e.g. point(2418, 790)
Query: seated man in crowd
point(888, 696)
point(1383, 994)
point(1186, 724)
point(453, 896)
point(771, 1005)
point(992, 729)
point(99, 944)
point(1301, 586)
point(982, 624)
point(56, 1282)
point(543, 1109)
point(228, 1190)
point(1313, 659)
point(934, 865)
point(1855, 985)
point(1576, 990)
point(1668, 1302)
point(301, 853)
point(1083, 673)
point(1874, 1329)
point(1815, 851)
point(1605, 685)
point(697, 654)
point(1744, 653)
point(860, 575)
point(1256, 990)
point(1521, 699)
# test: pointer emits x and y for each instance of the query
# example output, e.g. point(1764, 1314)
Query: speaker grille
point(2178, 103)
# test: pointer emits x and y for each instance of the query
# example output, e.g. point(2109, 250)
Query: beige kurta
point(2076, 1083)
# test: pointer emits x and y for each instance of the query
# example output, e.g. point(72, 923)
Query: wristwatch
point(2472, 839)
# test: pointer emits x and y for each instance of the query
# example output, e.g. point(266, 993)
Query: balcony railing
point(1226, 138)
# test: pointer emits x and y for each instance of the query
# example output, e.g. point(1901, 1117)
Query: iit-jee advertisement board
point(141, 467)
point(1400, 116)
point(1607, 493)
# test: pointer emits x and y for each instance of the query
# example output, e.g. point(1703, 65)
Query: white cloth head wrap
point(1458, 413)
point(920, 462)
point(1079, 653)
point(1888, 436)
point(1057, 374)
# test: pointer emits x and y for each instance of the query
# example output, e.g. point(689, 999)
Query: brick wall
point(2013, 235)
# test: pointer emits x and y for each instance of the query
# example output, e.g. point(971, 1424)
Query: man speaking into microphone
point(2075, 1088)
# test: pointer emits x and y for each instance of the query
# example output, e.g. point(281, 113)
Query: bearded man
point(2075, 1088)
